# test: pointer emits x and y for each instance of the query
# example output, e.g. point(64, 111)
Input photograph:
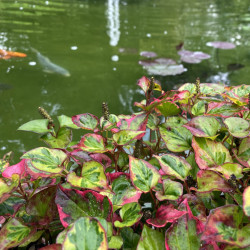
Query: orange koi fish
point(8, 54)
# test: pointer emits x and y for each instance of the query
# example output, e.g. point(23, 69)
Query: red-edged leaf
point(73, 204)
point(86, 121)
point(165, 214)
point(92, 143)
point(102, 158)
point(18, 168)
point(144, 83)
point(168, 109)
point(52, 247)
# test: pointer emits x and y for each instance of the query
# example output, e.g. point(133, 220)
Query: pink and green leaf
point(209, 181)
point(46, 160)
point(144, 83)
point(6, 188)
point(151, 239)
point(73, 204)
point(86, 233)
point(86, 121)
point(244, 152)
point(210, 153)
point(168, 109)
point(92, 177)
point(172, 190)
point(203, 126)
point(143, 175)
point(92, 143)
point(223, 226)
point(237, 127)
point(18, 168)
point(165, 214)
point(174, 166)
point(130, 214)
point(246, 201)
point(124, 137)
point(227, 169)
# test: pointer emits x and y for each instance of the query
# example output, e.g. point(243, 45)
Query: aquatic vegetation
point(193, 56)
point(174, 175)
point(221, 45)
point(4, 54)
point(148, 54)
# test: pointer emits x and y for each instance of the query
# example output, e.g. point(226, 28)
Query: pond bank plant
point(175, 175)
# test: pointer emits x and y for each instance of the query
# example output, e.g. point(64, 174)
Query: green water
point(99, 44)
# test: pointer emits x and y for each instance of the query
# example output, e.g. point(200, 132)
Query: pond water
point(83, 52)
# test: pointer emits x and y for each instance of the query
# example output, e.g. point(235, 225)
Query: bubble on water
point(32, 63)
point(148, 35)
point(73, 47)
point(115, 58)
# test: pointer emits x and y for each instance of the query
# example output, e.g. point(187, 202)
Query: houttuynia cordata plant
point(175, 175)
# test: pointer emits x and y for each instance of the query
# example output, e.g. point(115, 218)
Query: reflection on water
point(113, 14)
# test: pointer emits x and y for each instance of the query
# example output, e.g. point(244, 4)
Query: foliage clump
point(173, 176)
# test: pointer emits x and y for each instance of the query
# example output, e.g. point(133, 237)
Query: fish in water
point(48, 66)
point(4, 54)
point(4, 86)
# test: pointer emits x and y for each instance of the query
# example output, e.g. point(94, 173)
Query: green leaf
point(115, 242)
point(6, 190)
point(182, 235)
point(210, 153)
point(199, 108)
point(174, 166)
point(203, 126)
point(66, 121)
point(13, 233)
point(222, 109)
point(86, 121)
point(86, 234)
point(61, 140)
point(32, 238)
point(246, 201)
point(143, 175)
point(228, 169)
point(123, 137)
point(151, 239)
point(209, 181)
point(174, 121)
point(130, 214)
point(39, 126)
point(172, 190)
point(237, 127)
point(189, 87)
point(168, 109)
point(177, 139)
point(153, 122)
point(46, 160)
point(130, 239)
point(92, 143)
point(92, 177)
point(244, 151)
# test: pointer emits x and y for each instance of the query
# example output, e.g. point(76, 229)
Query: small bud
point(147, 214)
point(197, 85)
point(45, 114)
point(138, 149)
point(105, 111)
point(152, 84)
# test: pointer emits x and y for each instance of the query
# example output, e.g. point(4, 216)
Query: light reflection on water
point(99, 43)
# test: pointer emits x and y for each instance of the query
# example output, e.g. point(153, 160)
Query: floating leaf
point(192, 56)
point(203, 126)
point(92, 177)
point(13, 233)
point(42, 206)
point(151, 239)
point(177, 138)
point(246, 201)
point(85, 121)
point(46, 160)
point(39, 126)
point(174, 165)
point(6, 190)
point(168, 109)
point(172, 190)
point(123, 192)
point(86, 233)
point(221, 45)
point(130, 214)
point(123, 137)
point(209, 181)
point(66, 121)
point(223, 226)
point(92, 143)
point(61, 140)
point(165, 70)
point(237, 127)
point(210, 153)
point(73, 204)
point(148, 54)
point(143, 175)
point(165, 214)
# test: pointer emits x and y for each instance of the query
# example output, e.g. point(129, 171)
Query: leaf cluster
point(173, 176)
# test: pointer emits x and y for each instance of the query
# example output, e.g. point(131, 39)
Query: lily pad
point(221, 45)
point(165, 70)
point(148, 54)
point(193, 56)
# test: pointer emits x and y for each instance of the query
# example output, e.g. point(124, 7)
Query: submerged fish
point(4, 54)
point(48, 66)
point(4, 86)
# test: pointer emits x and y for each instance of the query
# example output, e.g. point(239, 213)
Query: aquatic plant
point(175, 175)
